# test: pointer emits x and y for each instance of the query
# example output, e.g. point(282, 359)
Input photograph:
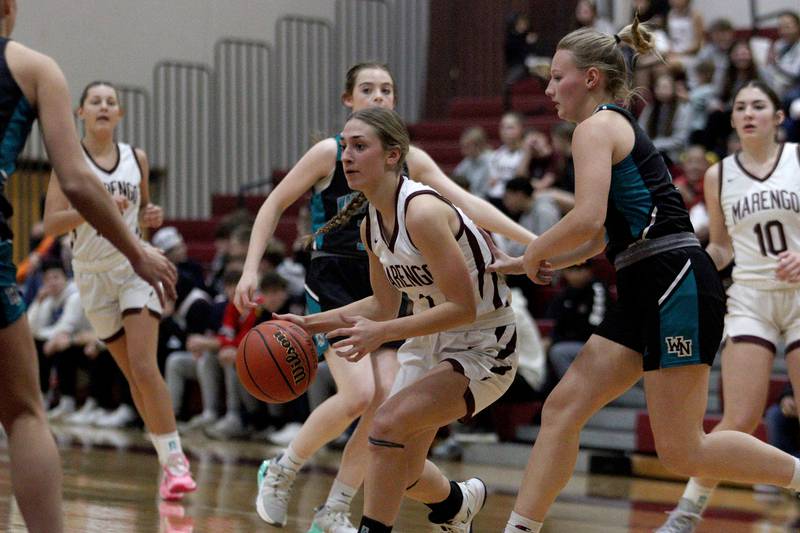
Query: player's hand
point(152, 216)
point(298, 320)
point(540, 272)
point(502, 262)
point(122, 202)
point(363, 336)
point(505, 264)
point(244, 299)
point(788, 267)
point(158, 271)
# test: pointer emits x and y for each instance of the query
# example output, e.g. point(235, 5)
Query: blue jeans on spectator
point(783, 431)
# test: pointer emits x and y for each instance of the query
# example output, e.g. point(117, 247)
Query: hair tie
point(617, 39)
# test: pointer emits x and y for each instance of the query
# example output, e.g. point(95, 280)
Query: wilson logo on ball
point(291, 357)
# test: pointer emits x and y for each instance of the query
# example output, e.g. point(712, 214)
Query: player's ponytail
point(591, 48)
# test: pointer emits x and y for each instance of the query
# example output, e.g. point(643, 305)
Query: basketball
point(276, 361)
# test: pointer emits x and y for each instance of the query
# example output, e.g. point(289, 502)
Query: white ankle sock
point(340, 496)
point(519, 524)
point(166, 444)
point(795, 483)
point(697, 494)
point(290, 459)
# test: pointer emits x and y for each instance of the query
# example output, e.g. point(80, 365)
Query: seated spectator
point(520, 49)
point(536, 213)
point(586, 17)
point(695, 161)
point(783, 430)
point(667, 119)
point(198, 360)
point(741, 69)
point(238, 402)
point(538, 160)
point(702, 100)
point(108, 402)
point(561, 135)
point(577, 310)
point(685, 30)
point(717, 50)
point(475, 166)
point(782, 71)
point(55, 315)
point(505, 159)
point(169, 240)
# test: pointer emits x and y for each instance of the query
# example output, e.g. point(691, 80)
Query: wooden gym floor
point(110, 486)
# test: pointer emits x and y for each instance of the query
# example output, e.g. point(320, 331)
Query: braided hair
point(393, 134)
point(341, 218)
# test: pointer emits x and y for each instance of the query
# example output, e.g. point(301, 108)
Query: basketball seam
point(274, 360)
point(250, 374)
point(299, 344)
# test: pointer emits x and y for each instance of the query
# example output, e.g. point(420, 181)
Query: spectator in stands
point(216, 269)
point(519, 50)
point(685, 30)
point(782, 71)
point(54, 316)
point(695, 161)
point(108, 389)
point(475, 166)
point(538, 160)
point(703, 100)
point(536, 213)
point(783, 430)
point(238, 402)
point(654, 12)
point(717, 50)
point(505, 159)
point(577, 310)
point(741, 70)
point(293, 272)
point(198, 359)
point(586, 17)
point(561, 135)
point(169, 240)
point(667, 119)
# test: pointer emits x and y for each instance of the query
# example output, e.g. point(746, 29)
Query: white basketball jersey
point(762, 216)
point(125, 178)
point(407, 270)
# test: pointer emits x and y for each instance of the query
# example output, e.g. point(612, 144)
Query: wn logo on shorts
point(13, 297)
point(679, 346)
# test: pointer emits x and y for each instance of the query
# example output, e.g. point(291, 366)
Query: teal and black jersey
point(328, 198)
point(16, 117)
point(643, 203)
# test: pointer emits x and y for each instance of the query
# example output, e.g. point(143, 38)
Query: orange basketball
point(276, 361)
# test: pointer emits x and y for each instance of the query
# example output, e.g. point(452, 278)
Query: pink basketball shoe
point(176, 478)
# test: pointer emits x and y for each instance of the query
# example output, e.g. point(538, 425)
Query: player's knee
point(143, 372)
point(357, 399)
point(386, 425)
point(743, 420)
point(679, 454)
point(560, 410)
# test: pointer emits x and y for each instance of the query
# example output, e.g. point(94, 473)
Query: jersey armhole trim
point(461, 225)
point(135, 158)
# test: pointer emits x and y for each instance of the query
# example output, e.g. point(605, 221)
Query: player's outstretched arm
point(423, 169)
